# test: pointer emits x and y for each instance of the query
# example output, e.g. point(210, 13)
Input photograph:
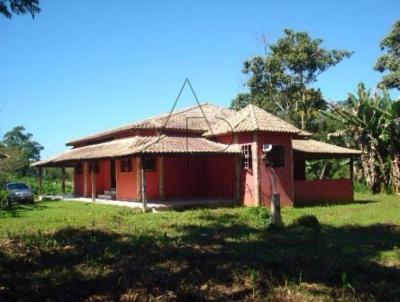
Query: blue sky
point(84, 66)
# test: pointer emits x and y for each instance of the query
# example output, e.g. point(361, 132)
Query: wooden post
point(85, 179)
point(116, 178)
point(351, 164)
point(256, 169)
point(237, 178)
point(139, 177)
point(93, 184)
point(351, 167)
point(40, 181)
point(161, 178)
point(292, 163)
point(276, 217)
point(63, 181)
point(143, 187)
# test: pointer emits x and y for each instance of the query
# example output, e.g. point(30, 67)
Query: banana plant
point(362, 118)
point(391, 136)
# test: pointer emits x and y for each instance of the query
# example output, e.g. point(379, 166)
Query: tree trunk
point(322, 174)
point(369, 169)
point(303, 97)
point(395, 173)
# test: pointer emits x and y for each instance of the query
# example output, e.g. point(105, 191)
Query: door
point(113, 176)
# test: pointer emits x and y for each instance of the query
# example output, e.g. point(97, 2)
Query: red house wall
point(152, 180)
point(103, 179)
point(324, 190)
point(189, 177)
point(220, 177)
point(185, 177)
point(126, 182)
point(246, 176)
point(284, 177)
point(78, 184)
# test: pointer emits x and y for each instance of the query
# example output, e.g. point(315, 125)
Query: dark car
point(18, 191)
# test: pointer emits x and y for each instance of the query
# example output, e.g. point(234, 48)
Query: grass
point(70, 251)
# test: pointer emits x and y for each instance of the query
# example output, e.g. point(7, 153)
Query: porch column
point(85, 178)
point(161, 178)
point(40, 181)
point(351, 167)
point(63, 181)
point(237, 178)
point(93, 175)
point(256, 169)
point(139, 177)
point(143, 186)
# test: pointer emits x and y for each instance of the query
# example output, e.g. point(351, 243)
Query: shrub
point(361, 187)
point(309, 221)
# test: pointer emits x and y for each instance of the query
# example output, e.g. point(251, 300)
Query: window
point(149, 163)
point(79, 169)
point(126, 165)
point(276, 157)
point(94, 166)
point(247, 159)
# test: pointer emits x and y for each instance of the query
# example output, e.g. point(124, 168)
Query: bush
point(308, 221)
point(361, 187)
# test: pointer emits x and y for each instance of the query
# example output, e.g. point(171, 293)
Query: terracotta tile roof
point(138, 145)
point(252, 118)
point(191, 119)
point(316, 147)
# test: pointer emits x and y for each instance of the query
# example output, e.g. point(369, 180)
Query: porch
point(161, 171)
point(157, 205)
point(321, 190)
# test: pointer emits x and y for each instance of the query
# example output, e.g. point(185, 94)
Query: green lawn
point(70, 251)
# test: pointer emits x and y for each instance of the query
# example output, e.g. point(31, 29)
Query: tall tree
point(390, 61)
point(19, 139)
point(21, 150)
point(19, 7)
point(280, 81)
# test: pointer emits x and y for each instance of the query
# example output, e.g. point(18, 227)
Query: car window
point(17, 186)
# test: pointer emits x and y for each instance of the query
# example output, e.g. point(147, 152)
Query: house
point(204, 152)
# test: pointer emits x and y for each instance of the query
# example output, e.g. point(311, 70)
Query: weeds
point(77, 251)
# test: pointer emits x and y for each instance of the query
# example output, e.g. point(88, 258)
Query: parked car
point(20, 192)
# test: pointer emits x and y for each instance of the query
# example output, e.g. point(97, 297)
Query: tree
point(19, 7)
point(280, 81)
point(390, 62)
point(241, 101)
point(373, 123)
point(391, 137)
point(22, 148)
point(13, 165)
